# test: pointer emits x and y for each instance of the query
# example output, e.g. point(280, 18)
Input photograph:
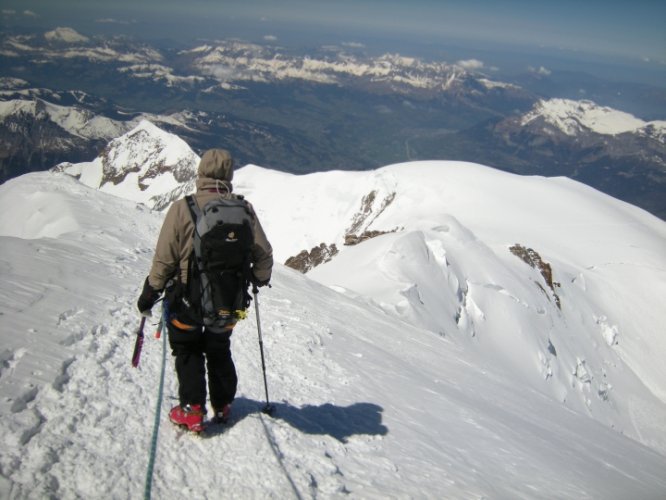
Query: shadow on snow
point(328, 419)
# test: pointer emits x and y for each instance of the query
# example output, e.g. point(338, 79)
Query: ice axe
point(138, 344)
point(136, 356)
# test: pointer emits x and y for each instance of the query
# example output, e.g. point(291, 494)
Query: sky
point(634, 29)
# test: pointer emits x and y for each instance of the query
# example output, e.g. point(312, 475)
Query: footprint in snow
point(8, 361)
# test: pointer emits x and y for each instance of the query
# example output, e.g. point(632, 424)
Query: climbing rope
point(158, 409)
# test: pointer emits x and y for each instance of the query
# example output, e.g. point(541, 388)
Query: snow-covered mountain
point(516, 265)
point(477, 334)
point(608, 149)
point(579, 117)
point(76, 121)
point(46, 127)
point(41, 127)
point(146, 165)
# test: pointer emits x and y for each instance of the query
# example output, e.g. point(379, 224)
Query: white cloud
point(12, 12)
point(111, 20)
point(353, 45)
point(222, 72)
point(541, 71)
point(470, 64)
point(270, 38)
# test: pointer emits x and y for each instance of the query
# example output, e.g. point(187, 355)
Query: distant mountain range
point(66, 95)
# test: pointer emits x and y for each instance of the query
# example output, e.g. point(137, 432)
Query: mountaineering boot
point(222, 416)
point(190, 416)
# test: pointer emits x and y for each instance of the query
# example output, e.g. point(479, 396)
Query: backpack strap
point(195, 212)
point(205, 291)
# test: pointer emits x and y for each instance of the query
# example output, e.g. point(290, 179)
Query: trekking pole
point(269, 409)
point(136, 356)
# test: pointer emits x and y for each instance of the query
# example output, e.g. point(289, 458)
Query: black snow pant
point(195, 349)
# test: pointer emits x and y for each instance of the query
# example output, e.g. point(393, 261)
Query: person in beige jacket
point(196, 347)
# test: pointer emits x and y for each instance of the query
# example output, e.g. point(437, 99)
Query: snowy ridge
point(445, 265)
point(574, 117)
point(146, 165)
point(478, 334)
point(36, 104)
point(76, 121)
point(439, 222)
point(367, 406)
point(438, 225)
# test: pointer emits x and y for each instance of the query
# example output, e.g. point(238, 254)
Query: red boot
point(190, 416)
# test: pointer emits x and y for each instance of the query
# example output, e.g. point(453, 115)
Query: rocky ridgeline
point(308, 260)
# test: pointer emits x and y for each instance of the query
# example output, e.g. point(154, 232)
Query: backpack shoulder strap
point(195, 211)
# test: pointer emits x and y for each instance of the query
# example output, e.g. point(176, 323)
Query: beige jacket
point(174, 244)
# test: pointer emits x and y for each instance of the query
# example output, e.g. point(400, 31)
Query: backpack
point(220, 264)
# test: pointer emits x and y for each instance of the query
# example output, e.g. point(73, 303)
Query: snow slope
point(369, 403)
point(449, 269)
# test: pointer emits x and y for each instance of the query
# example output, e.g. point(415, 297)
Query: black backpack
point(220, 264)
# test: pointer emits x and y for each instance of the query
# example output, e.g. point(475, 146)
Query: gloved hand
point(147, 298)
point(259, 283)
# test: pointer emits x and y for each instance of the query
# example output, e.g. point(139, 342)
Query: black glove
point(259, 283)
point(148, 297)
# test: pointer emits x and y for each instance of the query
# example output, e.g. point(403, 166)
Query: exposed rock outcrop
point(305, 261)
point(534, 260)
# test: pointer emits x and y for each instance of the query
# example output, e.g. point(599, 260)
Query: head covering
point(217, 164)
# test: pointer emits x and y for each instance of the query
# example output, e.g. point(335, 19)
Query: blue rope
point(158, 410)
